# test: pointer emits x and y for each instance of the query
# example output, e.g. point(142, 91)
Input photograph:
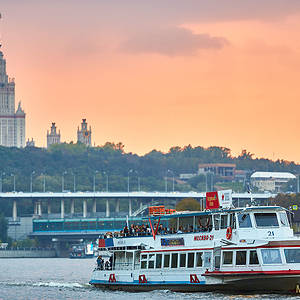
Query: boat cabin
point(212, 239)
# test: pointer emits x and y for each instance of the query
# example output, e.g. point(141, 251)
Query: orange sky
point(159, 75)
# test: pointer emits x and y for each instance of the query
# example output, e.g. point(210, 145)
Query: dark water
point(63, 278)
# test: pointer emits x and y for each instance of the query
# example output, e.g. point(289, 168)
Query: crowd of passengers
point(143, 230)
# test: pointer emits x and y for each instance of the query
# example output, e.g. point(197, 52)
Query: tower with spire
point(53, 137)
point(12, 123)
point(84, 135)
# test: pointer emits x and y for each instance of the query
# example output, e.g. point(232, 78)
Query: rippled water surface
point(63, 278)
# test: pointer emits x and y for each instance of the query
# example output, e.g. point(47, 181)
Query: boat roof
point(182, 214)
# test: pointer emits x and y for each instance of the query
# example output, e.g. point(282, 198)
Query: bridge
point(140, 197)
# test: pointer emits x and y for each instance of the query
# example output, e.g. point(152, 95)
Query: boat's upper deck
point(248, 225)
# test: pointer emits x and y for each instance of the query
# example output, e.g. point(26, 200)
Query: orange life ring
point(229, 233)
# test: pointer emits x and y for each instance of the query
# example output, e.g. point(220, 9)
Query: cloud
point(172, 41)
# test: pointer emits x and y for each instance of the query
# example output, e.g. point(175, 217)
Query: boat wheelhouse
point(242, 249)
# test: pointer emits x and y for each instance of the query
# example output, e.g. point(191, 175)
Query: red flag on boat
point(212, 200)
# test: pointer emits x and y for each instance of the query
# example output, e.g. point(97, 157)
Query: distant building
point(12, 123)
point(270, 181)
point(223, 170)
point(30, 143)
point(53, 137)
point(84, 135)
point(187, 176)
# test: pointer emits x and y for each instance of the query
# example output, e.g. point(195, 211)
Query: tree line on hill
point(109, 167)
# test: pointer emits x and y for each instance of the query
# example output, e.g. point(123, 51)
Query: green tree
point(190, 204)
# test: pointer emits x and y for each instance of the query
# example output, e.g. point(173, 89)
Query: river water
point(63, 278)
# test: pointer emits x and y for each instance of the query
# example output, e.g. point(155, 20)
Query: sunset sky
point(156, 74)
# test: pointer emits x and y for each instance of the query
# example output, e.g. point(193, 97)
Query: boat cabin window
point(232, 222)
point(182, 260)
point(207, 259)
point(244, 220)
point(266, 220)
point(186, 224)
point(166, 260)
point(151, 261)
point(224, 219)
point(240, 258)
point(204, 223)
point(174, 260)
point(158, 261)
point(199, 259)
point(217, 222)
point(271, 256)
point(292, 255)
point(283, 219)
point(227, 257)
point(144, 261)
point(253, 258)
point(191, 258)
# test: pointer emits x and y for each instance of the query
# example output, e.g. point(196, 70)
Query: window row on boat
point(176, 260)
point(269, 256)
point(249, 257)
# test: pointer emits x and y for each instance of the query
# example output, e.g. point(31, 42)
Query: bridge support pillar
point(39, 208)
point(72, 208)
point(14, 212)
point(130, 207)
point(84, 208)
point(35, 208)
point(107, 208)
point(117, 205)
point(94, 205)
point(62, 208)
point(48, 207)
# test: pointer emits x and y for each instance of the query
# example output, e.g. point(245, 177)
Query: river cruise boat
point(222, 248)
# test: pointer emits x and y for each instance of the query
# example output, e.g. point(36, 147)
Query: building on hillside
point(223, 170)
point(53, 137)
point(12, 122)
point(84, 135)
point(187, 176)
point(270, 181)
point(30, 143)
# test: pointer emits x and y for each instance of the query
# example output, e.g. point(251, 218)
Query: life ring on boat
point(229, 233)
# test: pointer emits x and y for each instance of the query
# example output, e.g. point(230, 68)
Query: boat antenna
point(249, 191)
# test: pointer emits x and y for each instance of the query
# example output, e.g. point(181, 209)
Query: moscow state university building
point(12, 121)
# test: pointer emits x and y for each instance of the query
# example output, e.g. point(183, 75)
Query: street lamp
point(44, 182)
point(139, 181)
point(130, 171)
point(106, 180)
point(173, 179)
point(211, 181)
point(74, 182)
point(63, 181)
point(166, 182)
point(14, 181)
point(33, 172)
point(94, 182)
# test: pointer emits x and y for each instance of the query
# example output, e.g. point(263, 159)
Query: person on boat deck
point(131, 229)
point(180, 230)
point(148, 230)
point(111, 262)
point(126, 231)
point(100, 262)
point(107, 265)
point(160, 229)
